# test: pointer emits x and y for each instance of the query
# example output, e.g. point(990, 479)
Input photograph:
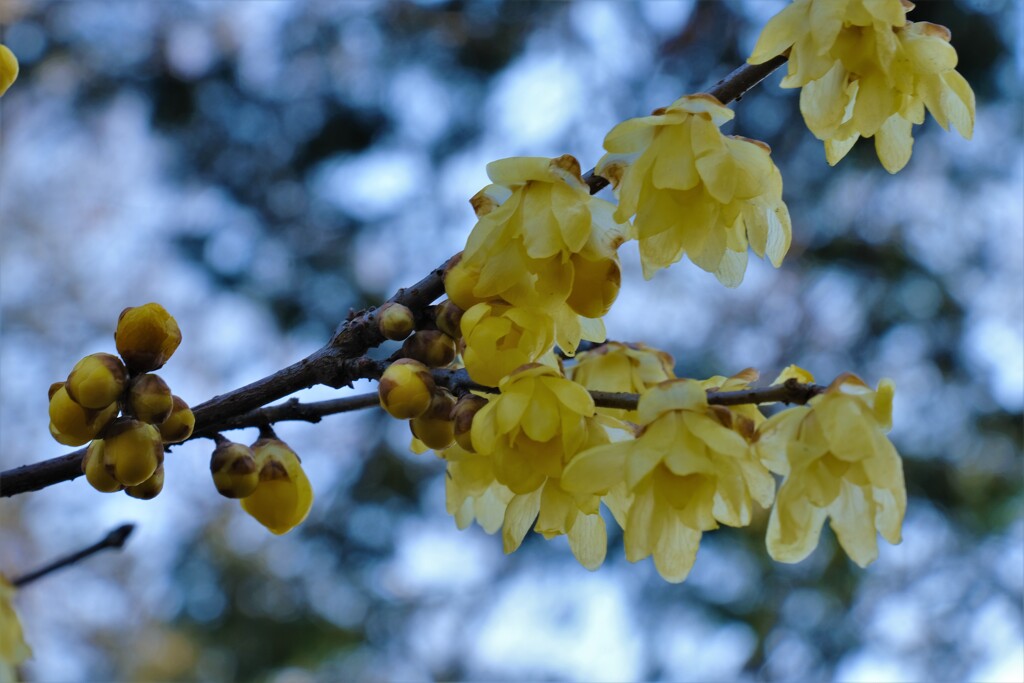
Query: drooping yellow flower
point(13, 648)
point(533, 426)
point(838, 464)
point(865, 71)
point(630, 368)
point(542, 242)
point(500, 337)
point(688, 470)
point(8, 68)
point(283, 496)
point(695, 191)
point(472, 491)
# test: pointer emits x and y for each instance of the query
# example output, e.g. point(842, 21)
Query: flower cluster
point(865, 71)
point(125, 452)
point(695, 191)
point(541, 245)
point(542, 457)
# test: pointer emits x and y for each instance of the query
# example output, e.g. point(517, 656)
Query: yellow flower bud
point(97, 381)
point(406, 388)
point(234, 471)
point(395, 321)
point(150, 398)
point(150, 488)
point(463, 413)
point(146, 337)
point(435, 428)
point(179, 424)
point(459, 281)
point(283, 497)
point(448, 318)
point(433, 348)
point(134, 450)
point(96, 471)
point(8, 68)
point(73, 425)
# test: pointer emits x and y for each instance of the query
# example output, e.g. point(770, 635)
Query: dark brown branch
point(789, 392)
point(115, 539)
point(293, 410)
point(326, 366)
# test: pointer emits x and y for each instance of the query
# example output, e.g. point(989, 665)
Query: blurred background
point(260, 168)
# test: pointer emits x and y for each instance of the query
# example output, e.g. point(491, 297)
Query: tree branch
point(115, 539)
point(328, 365)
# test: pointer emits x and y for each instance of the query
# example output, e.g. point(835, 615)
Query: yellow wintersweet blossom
point(543, 242)
point(688, 470)
point(695, 191)
point(630, 368)
point(8, 68)
point(532, 426)
point(538, 422)
point(13, 648)
point(284, 496)
point(865, 71)
point(500, 337)
point(472, 491)
point(838, 464)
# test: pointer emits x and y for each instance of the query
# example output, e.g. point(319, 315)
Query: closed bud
point(459, 282)
point(133, 449)
point(8, 68)
point(73, 425)
point(462, 414)
point(233, 466)
point(395, 321)
point(406, 388)
point(433, 348)
point(150, 398)
point(150, 488)
point(146, 337)
point(179, 424)
point(283, 497)
point(448, 318)
point(97, 381)
point(435, 427)
point(96, 471)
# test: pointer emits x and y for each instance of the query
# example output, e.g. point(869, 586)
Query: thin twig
point(329, 364)
point(115, 539)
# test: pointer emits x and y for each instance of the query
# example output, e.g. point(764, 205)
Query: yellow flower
point(13, 648)
point(472, 491)
point(146, 336)
point(629, 368)
point(865, 71)
point(541, 241)
point(283, 497)
point(8, 68)
point(695, 191)
point(687, 470)
point(838, 464)
point(500, 337)
point(533, 426)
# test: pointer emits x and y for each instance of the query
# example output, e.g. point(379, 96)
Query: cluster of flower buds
point(268, 479)
point(407, 389)
point(126, 452)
